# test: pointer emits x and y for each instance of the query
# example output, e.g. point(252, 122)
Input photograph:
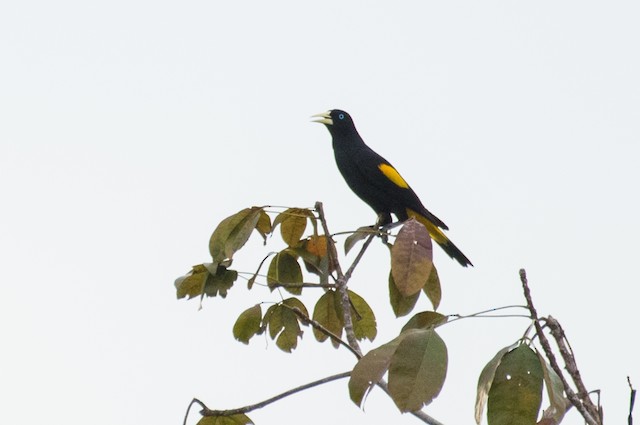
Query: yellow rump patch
point(393, 175)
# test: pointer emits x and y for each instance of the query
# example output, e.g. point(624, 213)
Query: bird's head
point(337, 121)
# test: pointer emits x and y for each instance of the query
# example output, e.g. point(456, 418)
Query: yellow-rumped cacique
point(378, 183)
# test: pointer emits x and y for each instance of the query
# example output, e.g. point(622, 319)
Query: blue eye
point(341, 116)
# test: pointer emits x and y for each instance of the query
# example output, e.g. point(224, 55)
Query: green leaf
point(364, 321)
point(425, 320)
point(220, 283)
point(232, 233)
point(283, 323)
point(400, 304)
point(558, 404)
point(293, 222)
point(371, 368)
point(192, 284)
point(296, 303)
point(275, 320)
point(418, 369)
point(284, 269)
point(360, 234)
point(271, 321)
point(327, 315)
point(411, 258)
point(432, 288)
point(248, 324)
point(239, 419)
point(486, 379)
point(516, 392)
point(287, 341)
point(263, 225)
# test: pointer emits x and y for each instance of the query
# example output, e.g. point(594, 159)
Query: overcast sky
point(129, 129)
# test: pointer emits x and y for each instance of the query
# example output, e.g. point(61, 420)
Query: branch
point(341, 283)
point(570, 364)
point(246, 409)
point(583, 405)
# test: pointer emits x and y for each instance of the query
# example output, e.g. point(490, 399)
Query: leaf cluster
point(415, 362)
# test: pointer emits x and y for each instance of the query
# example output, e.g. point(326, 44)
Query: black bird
point(377, 182)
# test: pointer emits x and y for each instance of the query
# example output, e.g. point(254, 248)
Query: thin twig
point(246, 409)
point(632, 401)
point(194, 401)
point(588, 416)
point(341, 282)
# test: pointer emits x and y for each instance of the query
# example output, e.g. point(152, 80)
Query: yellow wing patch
point(393, 175)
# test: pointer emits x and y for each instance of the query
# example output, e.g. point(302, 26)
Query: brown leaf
point(411, 258)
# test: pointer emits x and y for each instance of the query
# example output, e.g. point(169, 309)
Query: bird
point(378, 183)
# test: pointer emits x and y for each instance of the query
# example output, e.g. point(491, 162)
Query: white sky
point(129, 129)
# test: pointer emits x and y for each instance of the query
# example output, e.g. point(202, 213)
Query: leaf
point(248, 324)
point(314, 253)
point(411, 258)
point(232, 233)
point(425, 320)
point(293, 222)
point(486, 379)
point(418, 369)
point(220, 283)
point(192, 284)
point(273, 319)
point(284, 326)
point(263, 225)
point(432, 288)
point(400, 304)
point(371, 368)
point(360, 234)
point(239, 419)
point(287, 341)
point(364, 321)
point(296, 303)
point(558, 404)
point(326, 314)
point(284, 269)
point(516, 392)
point(317, 245)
